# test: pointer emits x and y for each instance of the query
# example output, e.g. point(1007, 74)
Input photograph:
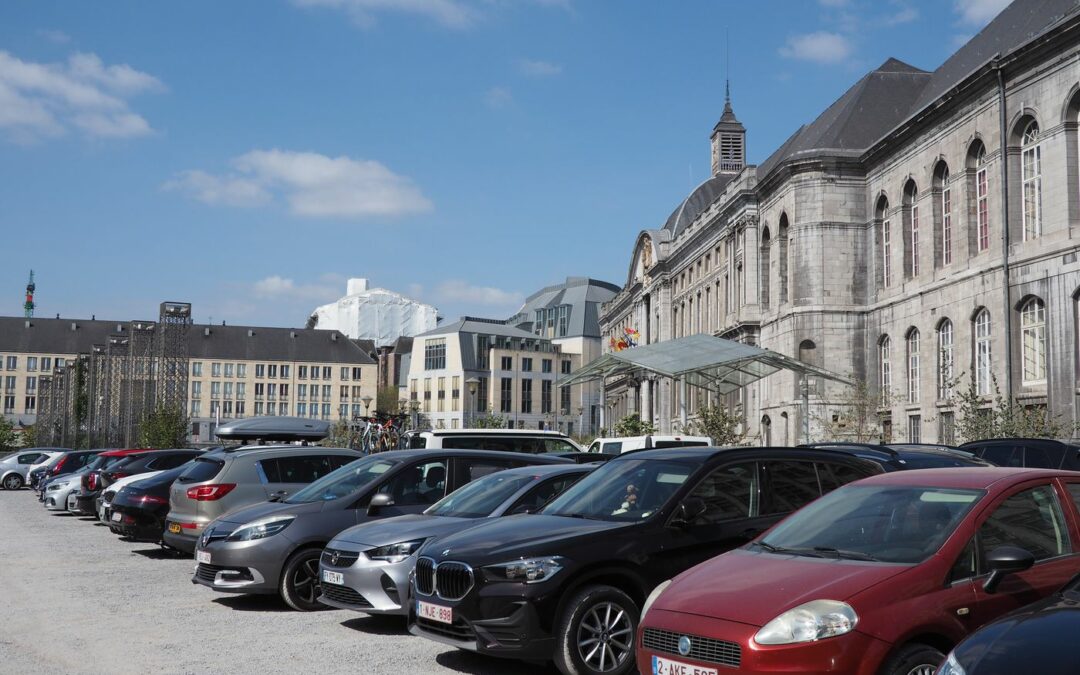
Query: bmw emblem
point(684, 645)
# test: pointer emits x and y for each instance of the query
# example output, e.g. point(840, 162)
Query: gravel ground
point(77, 599)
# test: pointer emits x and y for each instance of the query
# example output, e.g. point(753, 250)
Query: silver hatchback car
point(366, 567)
point(224, 480)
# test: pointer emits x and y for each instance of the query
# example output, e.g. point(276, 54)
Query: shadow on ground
point(254, 603)
point(159, 553)
point(378, 625)
point(477, 664)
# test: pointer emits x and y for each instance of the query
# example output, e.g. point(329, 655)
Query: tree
point(633, 425)
point(854, 414)
point(340, 436)
point(28, 436)
point(722, 426)
point(979, 417)
point(164, 427)
point(488, 421)
point(9, 438)
point(386, 400)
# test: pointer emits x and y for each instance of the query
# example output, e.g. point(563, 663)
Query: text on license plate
point(202, 557)
point(662, 666)
point(333, 577)
point(438, 613)
point(174, 528)
point(116, 516)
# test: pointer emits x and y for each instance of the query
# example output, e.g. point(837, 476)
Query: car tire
point(597, 627)
point(913, 659)
point(13, 481)
point(299, 586)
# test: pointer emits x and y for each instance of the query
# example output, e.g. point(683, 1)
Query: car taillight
point(56, 469)
point(90, 481)
point(208, 493)
point(153, 499)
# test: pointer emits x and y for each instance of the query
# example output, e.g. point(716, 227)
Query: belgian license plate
point(116, 516)
point(662, 666)
point(438, 613)
point(333, 577)
point(202, 557)
point(174, 528)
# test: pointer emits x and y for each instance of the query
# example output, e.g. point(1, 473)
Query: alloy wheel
point(924, 669)
point(605, 637)
point(12, 483)
point(306, 580)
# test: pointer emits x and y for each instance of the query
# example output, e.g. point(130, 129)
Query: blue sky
point(249, 156)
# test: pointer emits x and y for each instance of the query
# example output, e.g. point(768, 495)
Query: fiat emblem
point(684, 645)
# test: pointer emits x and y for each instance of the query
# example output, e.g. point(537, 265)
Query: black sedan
point(1035, 639)
point(138, 510)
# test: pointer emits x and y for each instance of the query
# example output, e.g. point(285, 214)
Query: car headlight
point(653, 596)
point(529, 570)
point(809, 622)
point(260, 529)
point(951, 666)
point(395, 553)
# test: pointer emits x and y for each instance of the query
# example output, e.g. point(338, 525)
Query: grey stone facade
point(893, 218)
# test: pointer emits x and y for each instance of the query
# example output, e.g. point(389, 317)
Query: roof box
point(281, 429)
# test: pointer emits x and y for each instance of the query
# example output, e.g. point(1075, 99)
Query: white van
point(617, 446)
point(507, 440)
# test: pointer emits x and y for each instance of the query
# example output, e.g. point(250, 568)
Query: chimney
point(28, 324)
point(206, 331)
point(333, 336)
point(356, 286)
point(292, 334)
point(251, 333)
point(74, 326)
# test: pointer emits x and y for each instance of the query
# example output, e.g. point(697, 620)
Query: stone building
point(922, 229)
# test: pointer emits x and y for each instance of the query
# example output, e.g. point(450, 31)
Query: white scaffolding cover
point(376, 314)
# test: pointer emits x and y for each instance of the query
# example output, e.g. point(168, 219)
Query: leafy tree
point(854, 415)
point(488, 421)
point(633, 425)
point(9, 438)
point(164, 427)
point(719, 424)
point(341, 435)
point(28, 436)
point(1000, 416)
point(386, 400)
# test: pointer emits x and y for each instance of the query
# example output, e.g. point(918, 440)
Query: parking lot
point(77, 599)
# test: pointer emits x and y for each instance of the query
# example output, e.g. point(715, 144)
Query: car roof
point(436, 452)
point(705, 453)
point(962, 477)
point(248, 450)
point(492, 432)
point(546, 470)
point(1014, 441)
point(127, 451)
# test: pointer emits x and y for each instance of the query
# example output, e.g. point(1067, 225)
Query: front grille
point(207, 572)
point(459, 630)
point(453, 580)
point(344, 558)
point(108, 496)
point(425, 576)
point(704, 649)
point(344, 595)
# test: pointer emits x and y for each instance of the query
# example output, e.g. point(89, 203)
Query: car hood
point(510, 537)
point(262, 510)
point(755, 587)
point(402, 528)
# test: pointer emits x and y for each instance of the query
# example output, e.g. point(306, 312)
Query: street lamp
point(366, 400)
point(472, 383)
point(581, 419)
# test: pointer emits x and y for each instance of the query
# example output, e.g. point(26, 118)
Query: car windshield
point(620, 490)
point(480, 497)
point(344, 481)
point(876, 523)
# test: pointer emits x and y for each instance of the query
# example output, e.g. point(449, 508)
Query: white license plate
point(662, 666)
point(434, 612)
point(333, 577)
point(116, 517)
point(202, 557)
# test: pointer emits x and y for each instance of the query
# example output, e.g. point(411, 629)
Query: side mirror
point(1006, 560)
point(521, 508)
point(688, 510)
point(377, 502)
point(279, 495)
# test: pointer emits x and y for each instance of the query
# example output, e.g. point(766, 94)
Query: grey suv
point(224, 480)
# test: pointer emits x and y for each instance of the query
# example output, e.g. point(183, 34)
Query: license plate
point(174, 528)
point(116, 516)
point(333, 577)
point(438, 613)
point(662, 666)
point(202, 557)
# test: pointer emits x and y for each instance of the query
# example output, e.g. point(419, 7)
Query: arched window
point(766, 244)
point(886, 241)
point(1033, 341)
point(766, 431)
point(980, 195)
point(911, 204)
point(941, 179)
point(914, 389)
point(982, 352)
point(885, 370)
point(782, 259)
point(945, 359)
point(1031, 175)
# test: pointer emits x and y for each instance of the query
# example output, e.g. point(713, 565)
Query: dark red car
point(880, 577)
point(92, 483)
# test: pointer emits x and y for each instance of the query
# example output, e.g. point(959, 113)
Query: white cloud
point(455, 290)
point(498, 97)
point(313, 185)
point(449, 13)
point(819, 47)
point(39, 99)
point(904, 14)
point(282, 288)
point(57, 37)
point(539, 68)
point(979, 12)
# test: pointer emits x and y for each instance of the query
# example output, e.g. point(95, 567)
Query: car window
point(423, 483)
point(966, 566)
point(595, 447)
point(479, 498)
point(730, 492)
point(557, 445)
point(202, 469)
point(792, 485)
point(543, 493)
point(338, 461)
point(1042, 457)
point(344, 481)
point(613, 448)
point(832, 475)
point(170, 462)
point(1074, 491)
point(1032, 520)
point(296, 469)
point(622, 490)
point(475, 467)
point(679, 444)
point(32, 458)
point(1004, 455)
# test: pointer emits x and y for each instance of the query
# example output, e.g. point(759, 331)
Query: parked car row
point(832, 558)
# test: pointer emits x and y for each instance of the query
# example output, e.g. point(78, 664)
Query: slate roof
point(74, 336)
point(697, 203)
point(471, 324)
point(584, 295)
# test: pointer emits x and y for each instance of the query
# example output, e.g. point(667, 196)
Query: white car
point(617, 446)
point(114, 489)
point(15, 468)
point(56, 494)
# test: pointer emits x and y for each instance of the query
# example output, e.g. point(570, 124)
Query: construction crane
point(28, 307)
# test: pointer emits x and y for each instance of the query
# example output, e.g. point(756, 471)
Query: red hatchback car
point(880, 577)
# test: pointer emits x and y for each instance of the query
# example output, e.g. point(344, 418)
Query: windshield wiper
point(846, 555)
point(579, 515)
point(811, 553)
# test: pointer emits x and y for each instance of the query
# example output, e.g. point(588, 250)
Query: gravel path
point(77, 599)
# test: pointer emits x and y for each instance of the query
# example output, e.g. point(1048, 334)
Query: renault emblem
point(684, 645)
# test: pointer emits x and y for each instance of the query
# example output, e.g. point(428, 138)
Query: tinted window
point(297, 469)
point(832, 476)
point(556, 445)
point(501, 443)
point(1004, 455)
point(338, 461)
point(168, 462)
point(792, 485)
point(343, 482)
point(1031, 520)
point(622, 490)
point(202, 469)
point(478, 499)
point(544, 493)
point(31, 458)
point(730, 492)
point(613, 448)
point(418, 484)
point(471, 469)
point(680, 444)
point(1042, 457)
